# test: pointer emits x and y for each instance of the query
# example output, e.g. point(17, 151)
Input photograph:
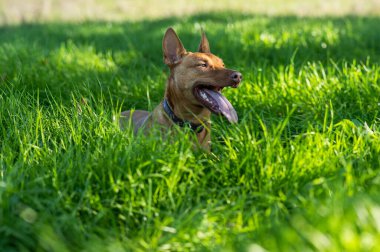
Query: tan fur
point(185, 72)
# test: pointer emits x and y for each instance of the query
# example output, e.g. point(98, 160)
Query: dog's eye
point(203, 64)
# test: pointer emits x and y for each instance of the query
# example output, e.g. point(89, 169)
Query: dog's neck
point(183, 108)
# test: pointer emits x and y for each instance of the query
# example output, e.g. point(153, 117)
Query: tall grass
point(299, 172)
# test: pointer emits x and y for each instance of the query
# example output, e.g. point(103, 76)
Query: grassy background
point(16, 11)
point(300, 172)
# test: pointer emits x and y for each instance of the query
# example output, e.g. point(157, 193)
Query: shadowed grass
point(299, 171)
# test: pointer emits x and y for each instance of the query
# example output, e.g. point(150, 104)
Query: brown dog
point(193, 91)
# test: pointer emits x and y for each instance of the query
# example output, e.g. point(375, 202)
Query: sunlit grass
point(16, 11)
point(299, 172)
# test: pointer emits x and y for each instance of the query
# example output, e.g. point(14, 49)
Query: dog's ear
point(204, 46)
point(172, 48)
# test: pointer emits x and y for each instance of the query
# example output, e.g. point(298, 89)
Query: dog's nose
point(236, 77)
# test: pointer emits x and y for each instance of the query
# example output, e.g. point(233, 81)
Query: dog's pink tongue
point(223, 105)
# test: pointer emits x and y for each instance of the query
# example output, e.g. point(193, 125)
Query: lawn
point(299, 172)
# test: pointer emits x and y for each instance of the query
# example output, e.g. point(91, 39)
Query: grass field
point(300, 172)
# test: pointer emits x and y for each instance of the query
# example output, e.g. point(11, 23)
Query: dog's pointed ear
point(172, 48)
point(204, 46)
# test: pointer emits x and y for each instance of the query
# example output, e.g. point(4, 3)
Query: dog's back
point(139, 117)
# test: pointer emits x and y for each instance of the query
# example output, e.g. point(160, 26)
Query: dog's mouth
point(211, 97)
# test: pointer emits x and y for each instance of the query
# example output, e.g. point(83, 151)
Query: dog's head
point(199, 77)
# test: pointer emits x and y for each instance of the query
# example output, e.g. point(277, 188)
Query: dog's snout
point(236, 77)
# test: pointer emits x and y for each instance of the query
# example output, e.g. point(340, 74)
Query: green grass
point(300, 172)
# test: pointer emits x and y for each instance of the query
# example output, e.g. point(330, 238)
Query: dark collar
point(197, 128)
